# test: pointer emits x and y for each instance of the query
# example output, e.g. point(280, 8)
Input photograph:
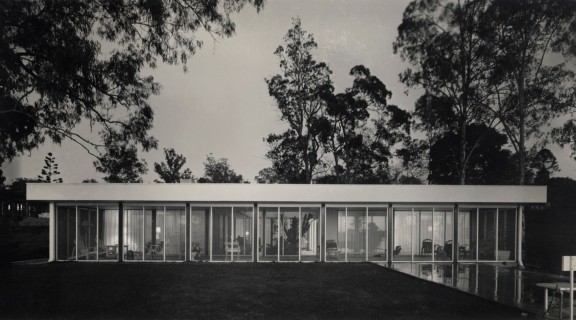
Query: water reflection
point(505, 284)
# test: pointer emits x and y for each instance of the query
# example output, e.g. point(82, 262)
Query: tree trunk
point(462, 168)
point(521, 119)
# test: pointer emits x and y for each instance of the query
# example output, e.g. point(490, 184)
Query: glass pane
point(356, 234)
point(243, 233)
point(87, 239)
point(268, 234)
point(335, 234)
point(506, 234)
point(66, 250)
point(423, 244)
point(467, 229)
point(154, 240)
point(289, 234)
point(223, 247)
point(443, 234)
point(377, 235)
point(487, 234)
point(402, 234)
point(133, 235)
point(175, 227)
point(108, 232)
point(310, 235)
point(199, 233)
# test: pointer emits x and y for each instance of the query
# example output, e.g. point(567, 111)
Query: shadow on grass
point(232, 291)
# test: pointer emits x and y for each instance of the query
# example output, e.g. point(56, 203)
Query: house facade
point(285, 223)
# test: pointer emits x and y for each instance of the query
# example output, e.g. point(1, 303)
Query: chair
point(83, 250)
point(448, 249)
point(232, 248)
point(331, 248)
point(156, 248)
point(426, 247)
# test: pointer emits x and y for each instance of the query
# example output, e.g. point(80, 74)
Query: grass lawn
point(23, 243)
point(231, 291)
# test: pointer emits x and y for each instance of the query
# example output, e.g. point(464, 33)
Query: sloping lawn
point(23, 243)
point(231, 291)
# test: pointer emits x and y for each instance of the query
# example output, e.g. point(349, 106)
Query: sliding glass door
point(288, 233)
point(86, 232)
point(356, 234)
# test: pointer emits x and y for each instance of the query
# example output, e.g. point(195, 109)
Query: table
point(556, 286)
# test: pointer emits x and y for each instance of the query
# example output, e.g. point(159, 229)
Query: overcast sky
point(221, 105)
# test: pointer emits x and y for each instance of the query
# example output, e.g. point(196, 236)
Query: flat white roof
point(286, 193)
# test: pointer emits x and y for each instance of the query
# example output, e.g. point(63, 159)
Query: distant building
point(285, 223)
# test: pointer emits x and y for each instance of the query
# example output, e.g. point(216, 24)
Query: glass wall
point(66, 238)
point(403, 221)
point(231, 234)
point(89, 232)
point(377, 234)
point(467, 234)
point(243, 233)
point(335, 234)
point(423, 231)
point(310, 234)
point(443, 238)
point(134, 230)
point(199, 233)
point(487, 234)
point(423, 234)
point(356, 234)
point(506, 234)
point(86, 232)
point(268, 233)
point(175, 233)
point(154, 233)
point(288, 233)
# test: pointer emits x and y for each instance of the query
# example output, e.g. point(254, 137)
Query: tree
point(64, 62)
point(268, 176)
point(219, 171)
point(121, 163)
point(542, 164)
point(491, 163)
point(49, 170)
point(296, 154)
point(440, 40)
point(363, 129)
point(2, 178)
point(169, 171)
point(91, 180)
point(532, 88)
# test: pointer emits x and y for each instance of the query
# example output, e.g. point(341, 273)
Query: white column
point(520, 232)
point(52, 232)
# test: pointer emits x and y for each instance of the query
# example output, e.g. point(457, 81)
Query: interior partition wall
point(288, 233)
point(356, 233)
point(86, 232)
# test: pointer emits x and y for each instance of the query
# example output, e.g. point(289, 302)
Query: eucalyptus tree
point(169, 171)
point(219, 171)
point(296, 154)
point(63, 63)
point(440, 40)
point(534, 85)
point(363, 130)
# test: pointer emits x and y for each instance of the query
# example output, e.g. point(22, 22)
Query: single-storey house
point(285, 222)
